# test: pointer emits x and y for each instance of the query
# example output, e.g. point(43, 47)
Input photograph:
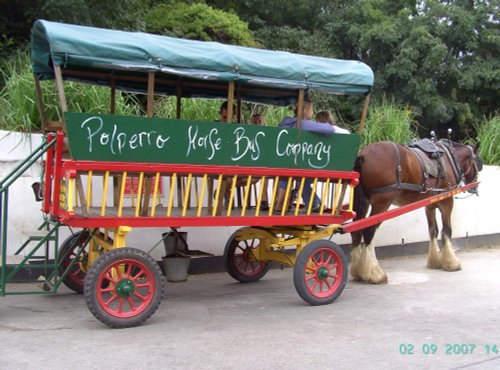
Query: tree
point(440, 57)
point(117, 14)
point(447, 63)
point(200, 22)
point(16, 19)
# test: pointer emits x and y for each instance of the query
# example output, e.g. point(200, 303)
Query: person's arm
point(318, 127)
point(340, 130)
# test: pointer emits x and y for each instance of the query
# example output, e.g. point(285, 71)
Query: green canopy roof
point(206, 65)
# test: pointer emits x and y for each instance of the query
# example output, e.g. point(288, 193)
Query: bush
point(198, 22)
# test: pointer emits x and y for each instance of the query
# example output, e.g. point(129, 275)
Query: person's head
point(307, 111)
point(325, 116)
point(223, 112)
point(257, 119)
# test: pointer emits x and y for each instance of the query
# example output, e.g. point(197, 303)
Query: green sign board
point(101, 137)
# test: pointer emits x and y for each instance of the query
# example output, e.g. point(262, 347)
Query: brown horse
point(394, 174)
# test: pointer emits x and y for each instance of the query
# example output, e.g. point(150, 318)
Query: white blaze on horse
point(395, 174)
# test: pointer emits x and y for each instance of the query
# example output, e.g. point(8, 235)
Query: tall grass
point(19, 108)
point(388, 121)
point(208, 110)
point(488, 135)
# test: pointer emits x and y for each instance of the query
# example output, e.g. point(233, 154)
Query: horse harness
point(430, 156)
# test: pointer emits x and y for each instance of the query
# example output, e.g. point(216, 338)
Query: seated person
point(309, 125)
point(257, 119)
point(223, 113)
point(325, 116)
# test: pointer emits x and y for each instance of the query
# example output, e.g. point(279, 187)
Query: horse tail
point(361, 204)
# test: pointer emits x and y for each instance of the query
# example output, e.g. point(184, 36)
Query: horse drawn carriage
point(209, 174)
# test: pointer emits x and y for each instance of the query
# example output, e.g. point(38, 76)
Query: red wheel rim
point(323, 273)
point(244, 259)
point(125, 288)
point(76, 273)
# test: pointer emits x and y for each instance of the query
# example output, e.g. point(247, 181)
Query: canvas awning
point(187, 67)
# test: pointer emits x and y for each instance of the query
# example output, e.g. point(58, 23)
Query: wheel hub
point(125, 288)
point(322, 273)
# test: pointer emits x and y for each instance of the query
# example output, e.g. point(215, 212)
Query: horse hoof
point(380, 281)
point(433, 265)
point(376, 279)
point(450, 267)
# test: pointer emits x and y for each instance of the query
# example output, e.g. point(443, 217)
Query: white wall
point(471, 216)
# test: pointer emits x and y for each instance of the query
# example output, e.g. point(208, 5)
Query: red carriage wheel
point(320, 272)
point(123, 287)
point(240, 260)
point(76, 246)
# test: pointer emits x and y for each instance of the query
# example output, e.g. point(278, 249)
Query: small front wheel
point(240, 260)
point(123, 287)
point(320, 272)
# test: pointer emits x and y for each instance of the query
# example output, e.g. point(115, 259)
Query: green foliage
point(208, 110)
point(295, 14)
point(118, 14)
point(200, 22)
point(388, 121)
point(488, 133)
point(191, 109)
point(16, 19)
point(19, 108)
point(442, 58)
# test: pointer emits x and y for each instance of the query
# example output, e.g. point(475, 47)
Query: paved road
point(212, 322)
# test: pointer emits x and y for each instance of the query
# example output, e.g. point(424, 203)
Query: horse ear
point(476, 147)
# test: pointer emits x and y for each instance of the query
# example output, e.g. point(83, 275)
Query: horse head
point(470, 163)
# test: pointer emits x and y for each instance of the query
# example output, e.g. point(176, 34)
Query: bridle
point(476, 165)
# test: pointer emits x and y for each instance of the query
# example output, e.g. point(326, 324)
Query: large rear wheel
point(320, 272)
point(240, 260)
point(123, 287)
point(74, 247)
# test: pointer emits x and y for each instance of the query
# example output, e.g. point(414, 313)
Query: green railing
point(46, 238)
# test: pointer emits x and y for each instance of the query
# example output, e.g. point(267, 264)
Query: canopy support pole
point(178, 94)
point(151, 94)
point(41, 106)
point(230, 102)
point(60, 88)
point(112, 108)
point(149, 112)
point(364, 114)
point(238, 105)
point(300, 108)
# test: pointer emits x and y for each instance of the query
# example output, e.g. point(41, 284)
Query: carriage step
point(35, 235)
point(12, 260)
